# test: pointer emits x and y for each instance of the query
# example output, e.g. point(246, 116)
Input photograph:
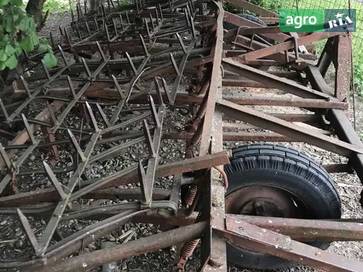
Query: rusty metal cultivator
point(124, 74)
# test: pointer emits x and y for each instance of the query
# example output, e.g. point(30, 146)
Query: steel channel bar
point(291, 130)
point(343, 74)
point(285, 46)
point(243, 22)
point(288, 102)
point(284, 84)
point(254, 238)
point(134, 248)
point(75, 241)
point(122, 177)
point(213, 248)
point(303, 229)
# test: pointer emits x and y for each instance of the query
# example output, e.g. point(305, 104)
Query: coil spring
point(191, 195)
point(186, 252)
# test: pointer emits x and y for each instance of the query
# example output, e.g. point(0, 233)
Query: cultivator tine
point(121, 22)
point(144, 46)
point(4, 111)
point(52, 177)
point(149, 138)
point(132, 65)
point(45, 70)
point(181, 43)
point(61, 31)
point(186, 15)
point(154, 112)
point(92, 116)
point(144, 185)
point(101, 51)
point(114, 26)
point(96, 24)
point(72, 13)
point(166, 90)
point(158, 91)
point(190, 4)
point(157, 16)
point(103, 11)
point(118, 88)
point(87, 27)
point(107, 33)
point(29, 232)
point(175, 66)
point(152, 22)
point(85, 6)
point(51, 38)
point(28, 129)
point(147, 28)
point(26, 86)
point(9, 164)
point(63, 55)
point(103, 115)
point(161, 12)
point(86, 68)
point(68, 38)
point(76, 145)
point(51, 114)
point(71, 88)
point(193, 27)
point(78, 8)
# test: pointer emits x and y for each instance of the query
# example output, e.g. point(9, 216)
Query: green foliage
point(56, 5)
point(18, 34)
point(358, 77)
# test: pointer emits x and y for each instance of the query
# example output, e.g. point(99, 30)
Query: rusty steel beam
point(285, 46)
point(251, 237)
point(243, 22)
point(291, 130)
point(288, 102)
point(304, 229)
point(343, 74)
point(214, 256)
point(133, 248)
point(284, 84)
point(188, 165)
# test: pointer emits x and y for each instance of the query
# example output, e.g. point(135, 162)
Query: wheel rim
point(264, 201)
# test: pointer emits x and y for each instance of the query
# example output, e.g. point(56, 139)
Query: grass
point(55, 6)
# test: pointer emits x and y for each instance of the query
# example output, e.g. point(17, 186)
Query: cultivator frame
point(128, 71)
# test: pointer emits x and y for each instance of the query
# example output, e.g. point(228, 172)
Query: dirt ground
point(348, 186)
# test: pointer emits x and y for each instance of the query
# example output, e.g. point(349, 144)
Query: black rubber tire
point(287, 169)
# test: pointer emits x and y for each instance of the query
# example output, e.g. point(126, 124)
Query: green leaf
point(50, 60)
point(27, 44)
point(4, 2)
point(11, 62)
point(25, 24)
point(9, 50)
point(3, 56)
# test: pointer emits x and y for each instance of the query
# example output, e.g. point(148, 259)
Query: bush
point(18, 34)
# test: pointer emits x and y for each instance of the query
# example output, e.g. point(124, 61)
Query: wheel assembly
point(275, 181)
